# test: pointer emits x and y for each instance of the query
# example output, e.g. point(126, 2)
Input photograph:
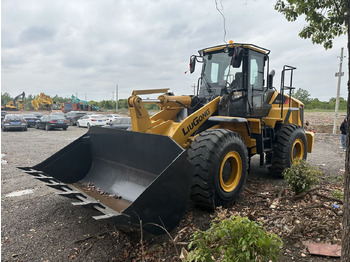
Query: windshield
point(121, 121)
point(97, 116)
point(14, 117)
point(56, 117)
point(217, 71)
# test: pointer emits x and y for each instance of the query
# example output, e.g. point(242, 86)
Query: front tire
point(291, 144)
point(220, 161)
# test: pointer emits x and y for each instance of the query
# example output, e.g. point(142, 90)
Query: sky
point(88, 48)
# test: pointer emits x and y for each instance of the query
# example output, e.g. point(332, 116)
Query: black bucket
point(136, 179)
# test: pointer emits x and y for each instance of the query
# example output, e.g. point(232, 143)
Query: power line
point(221, 11)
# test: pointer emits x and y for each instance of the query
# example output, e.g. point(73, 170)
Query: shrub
point(301, 176)
point(234, 239)
point(338, 194)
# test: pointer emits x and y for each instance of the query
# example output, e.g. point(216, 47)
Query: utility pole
point(116, 97)
point(339, 75)
point(194, 89)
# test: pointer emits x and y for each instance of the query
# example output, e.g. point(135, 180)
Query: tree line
point(300, 94)
point(104, 104)
point(314, 103)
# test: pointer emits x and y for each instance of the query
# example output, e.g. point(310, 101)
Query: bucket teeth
point(35, 173)
point(59, 186)
point(106, 216)
point(107, 213)
point(70, 194)
point(86, 203)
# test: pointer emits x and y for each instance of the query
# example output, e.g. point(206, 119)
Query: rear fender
point(310, 136)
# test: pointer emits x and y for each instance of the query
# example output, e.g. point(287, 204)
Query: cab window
point(256, 71)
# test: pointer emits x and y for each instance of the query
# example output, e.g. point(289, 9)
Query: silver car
point(14, 122)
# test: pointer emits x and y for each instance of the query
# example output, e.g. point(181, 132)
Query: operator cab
point(236, 73)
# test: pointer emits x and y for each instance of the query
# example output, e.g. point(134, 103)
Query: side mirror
point(237, 57)
point(192, 63)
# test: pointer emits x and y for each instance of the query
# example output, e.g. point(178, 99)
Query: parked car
point(57, 113)
point(3, 114)
point(37, 114)
point(31, 119)
point(11, 122)
point(112, 117)
point(92, 120)
point(122, 123)
point(73, 117)
point(51, 122)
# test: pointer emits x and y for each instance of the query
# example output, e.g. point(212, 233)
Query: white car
point(92, 120)
point(112, 117)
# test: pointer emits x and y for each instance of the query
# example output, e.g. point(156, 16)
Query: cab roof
point(232, 45)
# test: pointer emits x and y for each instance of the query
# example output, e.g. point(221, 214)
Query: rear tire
point(64, 128)
point(88, 126)
point(78, 125)
point(47, 127)
point(291, 144)
point(220, 161)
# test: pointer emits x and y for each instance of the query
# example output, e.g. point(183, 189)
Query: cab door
point(255, 82)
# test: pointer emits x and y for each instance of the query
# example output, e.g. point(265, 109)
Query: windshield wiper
point(208, 86)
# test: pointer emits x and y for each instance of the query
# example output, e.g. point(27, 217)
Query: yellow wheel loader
point(16, 104)
point(196, 146)
point(43, 102)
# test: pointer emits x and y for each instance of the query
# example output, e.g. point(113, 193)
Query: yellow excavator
point(42, 101)
point(196, 146)
point(16, 104)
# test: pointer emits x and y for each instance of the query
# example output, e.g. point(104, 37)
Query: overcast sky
point(86, 47)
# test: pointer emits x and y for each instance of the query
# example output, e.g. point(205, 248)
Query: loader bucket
point(135, 179)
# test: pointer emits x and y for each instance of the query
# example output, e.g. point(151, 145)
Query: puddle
point(20, 193)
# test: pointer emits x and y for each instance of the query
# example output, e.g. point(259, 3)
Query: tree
point(122, 103)
point(325, 20)
point(106, 104)
point(303, 96)
point(28, 102)
point(5, 98)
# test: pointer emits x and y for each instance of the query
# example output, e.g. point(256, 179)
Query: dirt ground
point(38, 225)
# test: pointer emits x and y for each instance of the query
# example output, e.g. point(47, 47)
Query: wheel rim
point(297, 150)
point(230, 171)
